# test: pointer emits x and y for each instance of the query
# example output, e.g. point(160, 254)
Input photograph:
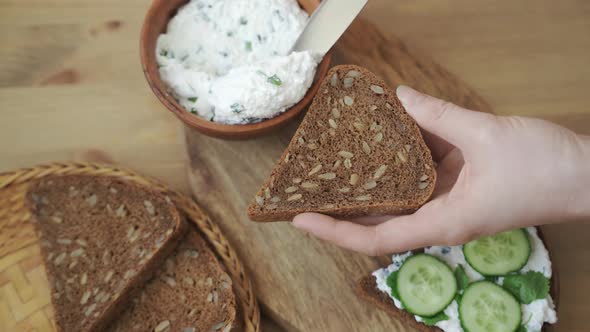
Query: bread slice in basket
point(189, 293)
point(357, 152)
point(101, 238)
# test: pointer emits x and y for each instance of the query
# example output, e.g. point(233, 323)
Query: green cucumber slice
point(487, 307)
point(426, 285)
point(499, 254)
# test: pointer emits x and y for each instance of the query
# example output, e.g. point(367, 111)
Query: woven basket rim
point(208, 229)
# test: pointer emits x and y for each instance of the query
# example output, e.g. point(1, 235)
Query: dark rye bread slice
point(356, 153)
point(190, 293)
point(367, 289)
point(101, 238)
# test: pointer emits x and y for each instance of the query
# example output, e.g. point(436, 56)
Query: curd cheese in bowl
point(230, 61)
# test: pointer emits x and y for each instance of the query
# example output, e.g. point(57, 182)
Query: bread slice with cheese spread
point(538, 311)
point(367, 290)
point(357, 152)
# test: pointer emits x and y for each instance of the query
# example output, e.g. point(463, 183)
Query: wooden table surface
point(71, 87)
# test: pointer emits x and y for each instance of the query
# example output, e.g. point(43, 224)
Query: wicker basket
point(24, 299)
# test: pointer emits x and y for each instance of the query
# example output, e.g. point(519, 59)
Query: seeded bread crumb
point(356, 153)
point(189, 293)
point(101, 238)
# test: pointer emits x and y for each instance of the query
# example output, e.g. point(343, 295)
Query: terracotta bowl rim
point(215, 129)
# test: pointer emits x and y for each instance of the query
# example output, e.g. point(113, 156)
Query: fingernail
point(296, 222)
point(300, 223)
point(405, 94)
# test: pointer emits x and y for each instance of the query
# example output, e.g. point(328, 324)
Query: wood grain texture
point(71, 88)
point(299, 274)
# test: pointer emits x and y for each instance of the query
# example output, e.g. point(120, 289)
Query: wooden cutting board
point(303, 283)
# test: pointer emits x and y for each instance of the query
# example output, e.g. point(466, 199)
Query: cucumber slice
point(487, 307)
point(499, 254)
point(426, 285)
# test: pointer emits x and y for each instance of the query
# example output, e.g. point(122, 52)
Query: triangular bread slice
point(356, 153)
point(101, 238)
point(190, 292)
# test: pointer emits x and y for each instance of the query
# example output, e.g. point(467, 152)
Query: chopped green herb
point(237, 108)
point(230, 33)
point(164, 52)
point(213, 114)
point(193, 111)
point(392, 283)
point(527, 287)
point(243, 20)
point(521, 328)
point(431, 321)
point(193, 99)
point(462, 279)
point(274, 79)
point(248, 46)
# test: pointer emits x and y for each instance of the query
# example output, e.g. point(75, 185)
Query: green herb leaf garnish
point(164, 52)
point(431, 321)
point(527, 287)
point(243, 20)
point(248, 46)
point(462, 279)
point(193, 99)
point(392, 283)
point(193, 111)
point(521, 328)
point(493, 279)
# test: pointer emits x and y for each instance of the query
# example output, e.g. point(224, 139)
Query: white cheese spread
point(229, 61)
point(534, 315)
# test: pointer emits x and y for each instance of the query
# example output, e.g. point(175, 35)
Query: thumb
point(456, 125)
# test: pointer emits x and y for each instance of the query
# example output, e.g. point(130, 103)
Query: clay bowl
point(155, 23)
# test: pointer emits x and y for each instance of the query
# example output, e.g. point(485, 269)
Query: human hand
point(494, 173)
